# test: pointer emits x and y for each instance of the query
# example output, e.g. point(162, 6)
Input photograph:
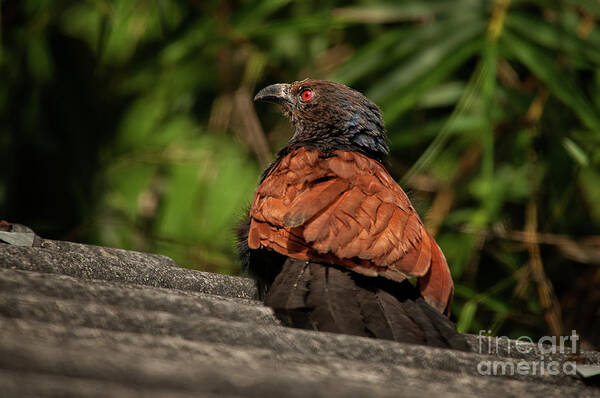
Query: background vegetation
point(129, 123)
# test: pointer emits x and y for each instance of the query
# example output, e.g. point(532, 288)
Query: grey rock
point(80, 320)
point(94, 262)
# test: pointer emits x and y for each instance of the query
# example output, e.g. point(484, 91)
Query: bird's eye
point(306, 95)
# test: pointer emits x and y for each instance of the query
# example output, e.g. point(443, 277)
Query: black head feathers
point(330, 116)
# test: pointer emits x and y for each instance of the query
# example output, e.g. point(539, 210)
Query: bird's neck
point(374, 147)
point(326, 147)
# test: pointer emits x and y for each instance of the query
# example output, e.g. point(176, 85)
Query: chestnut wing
point(347, 210)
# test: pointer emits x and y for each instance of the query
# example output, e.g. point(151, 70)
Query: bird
point(332, 241)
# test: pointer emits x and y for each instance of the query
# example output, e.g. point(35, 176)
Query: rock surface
point(80, 320)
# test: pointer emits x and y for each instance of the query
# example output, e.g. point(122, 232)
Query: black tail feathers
point(323, 297)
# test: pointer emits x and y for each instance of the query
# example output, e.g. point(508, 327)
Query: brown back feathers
point(344, 208)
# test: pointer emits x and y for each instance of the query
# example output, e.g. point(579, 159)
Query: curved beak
point(275, 93)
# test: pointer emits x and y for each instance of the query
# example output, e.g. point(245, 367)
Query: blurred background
point(130, 123)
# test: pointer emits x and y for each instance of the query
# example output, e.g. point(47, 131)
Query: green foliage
point(492, 108)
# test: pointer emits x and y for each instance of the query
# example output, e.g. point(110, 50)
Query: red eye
point(306, 95)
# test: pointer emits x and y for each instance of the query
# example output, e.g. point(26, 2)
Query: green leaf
point(409, 136)
point(546, 70)
point(457, 247)
point(386, 13)
point(466, 316)
point(552, 36)
point(255, 13)
point(443, 95)
point(406, 97)
point(488, 77)
point(589, 182)
point(369, 57)
point(486, 298)
point(588, 5)
point(576, 152)
point(384, 52)
point(463, 105)
point(297, 25)
point(424, 62)
point(127, 179)
point(40, 62)
point(205, 194)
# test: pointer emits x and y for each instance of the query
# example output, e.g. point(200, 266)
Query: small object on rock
point(589, 371)
point(16, 234)
point(5, 225)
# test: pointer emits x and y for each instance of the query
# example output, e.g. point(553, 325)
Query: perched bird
point(332, 239)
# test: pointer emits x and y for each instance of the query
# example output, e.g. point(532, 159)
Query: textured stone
point(79, 320)
point(22, 284)
point(94, 262)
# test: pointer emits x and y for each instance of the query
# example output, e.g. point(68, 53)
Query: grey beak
point(275, 93)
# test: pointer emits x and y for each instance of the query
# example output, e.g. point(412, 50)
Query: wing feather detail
point(344, 208)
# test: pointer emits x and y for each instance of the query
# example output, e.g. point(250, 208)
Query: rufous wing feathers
point(345, 209)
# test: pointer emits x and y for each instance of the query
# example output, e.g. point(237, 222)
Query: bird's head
point(330, 116)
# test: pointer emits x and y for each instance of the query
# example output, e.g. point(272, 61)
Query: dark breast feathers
point(336, 239)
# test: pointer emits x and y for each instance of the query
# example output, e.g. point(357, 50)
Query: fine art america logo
point(542, 365)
